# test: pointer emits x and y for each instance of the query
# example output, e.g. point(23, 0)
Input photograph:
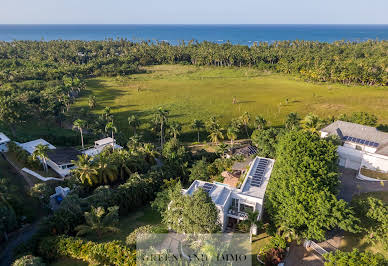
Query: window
point(234, 203)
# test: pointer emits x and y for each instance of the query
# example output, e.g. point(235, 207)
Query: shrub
point(146, 229)
point(28, 260)
point(109, 253)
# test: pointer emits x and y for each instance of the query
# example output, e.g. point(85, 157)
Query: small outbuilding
point(4, 142)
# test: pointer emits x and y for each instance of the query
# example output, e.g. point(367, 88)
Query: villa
point(234, 203)
point(100, 145)
point(363, 147)
point(3, 142)
point(61, 160)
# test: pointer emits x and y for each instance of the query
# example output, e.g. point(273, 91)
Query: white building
point(233, 203)
point(59, 159)
point(363, 146)
point(31, 145)
point(58, 197)
point(99, 146)
point(3, 142)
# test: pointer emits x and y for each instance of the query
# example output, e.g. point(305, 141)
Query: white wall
point(375, 162)
point(349, 157)
point(58, 169)
point(3, 147)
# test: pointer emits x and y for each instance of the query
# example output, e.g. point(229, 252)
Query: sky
point(193, 12)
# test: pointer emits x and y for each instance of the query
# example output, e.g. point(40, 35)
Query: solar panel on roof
point(207, 187)
point(361, 141)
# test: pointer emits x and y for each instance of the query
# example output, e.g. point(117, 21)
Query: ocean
point(174, 34)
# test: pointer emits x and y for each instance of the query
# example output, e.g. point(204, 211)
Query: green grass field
point(190, 93)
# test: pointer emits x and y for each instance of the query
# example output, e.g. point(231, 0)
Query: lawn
point(258, 242)
point(190, 92)
point(145, 216)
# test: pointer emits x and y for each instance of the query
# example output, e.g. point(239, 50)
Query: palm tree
point(287, 233)
point(292, 121)
point(161, 118)
point(232, 134)
point(110, 126)
point(312, 123)
point(133, 122)
point(41, 152)
point(85, 171)
point(107, 113)
point(133, 144)
point(222, 149)
point(197, 125)
point(260, 122)
point(107, 170)
point(245, 118)
point(175, 129)
point(150, 152)
point(97, 220)
point(92, 101)
point(216, 135)
point(252, 221)
point(79, 124)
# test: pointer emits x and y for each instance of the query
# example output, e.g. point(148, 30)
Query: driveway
point(351, 186)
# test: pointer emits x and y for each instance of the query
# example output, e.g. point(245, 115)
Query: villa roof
point(220, 192)
point(63, 155)
point(104, 141)
point(361, 132)
point(3, 138)
point(30, 146)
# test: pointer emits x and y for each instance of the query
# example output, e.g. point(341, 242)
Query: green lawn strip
point(258, 242)
point(374, 174)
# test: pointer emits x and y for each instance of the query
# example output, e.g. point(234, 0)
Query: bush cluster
point(109, 253)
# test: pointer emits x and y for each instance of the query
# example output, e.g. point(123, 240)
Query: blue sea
point(174, 34)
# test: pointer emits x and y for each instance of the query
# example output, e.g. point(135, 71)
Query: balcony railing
point(237, 213)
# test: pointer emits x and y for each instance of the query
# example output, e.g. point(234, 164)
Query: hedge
point(109, 253)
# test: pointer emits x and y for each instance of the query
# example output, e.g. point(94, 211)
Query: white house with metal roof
point(233, 203)
point(4, 142)
point(100, 145)
point(362, 146)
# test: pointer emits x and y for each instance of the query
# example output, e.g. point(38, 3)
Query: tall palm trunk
point(198, 134)
point(82, 138)
point(113, 139)
point(161, 135)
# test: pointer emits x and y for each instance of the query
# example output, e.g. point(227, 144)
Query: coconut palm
point(252, 222)
point(133, 122)
point(150, 152)
point(107, 113)
point(80, 124)
point(133, 144)
point(110, 126)
point(197, 125)
point(222, 149)
point(292, 121)
point(98, 221)
point(92, 101)
point(85, 171)
point(216, 135)
point(161, 118)
point(260, 122)
point(245, 118)
point(175, 129)
point(107, 170)
point(41, 152)
point(312, 123)
point(232, 134)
